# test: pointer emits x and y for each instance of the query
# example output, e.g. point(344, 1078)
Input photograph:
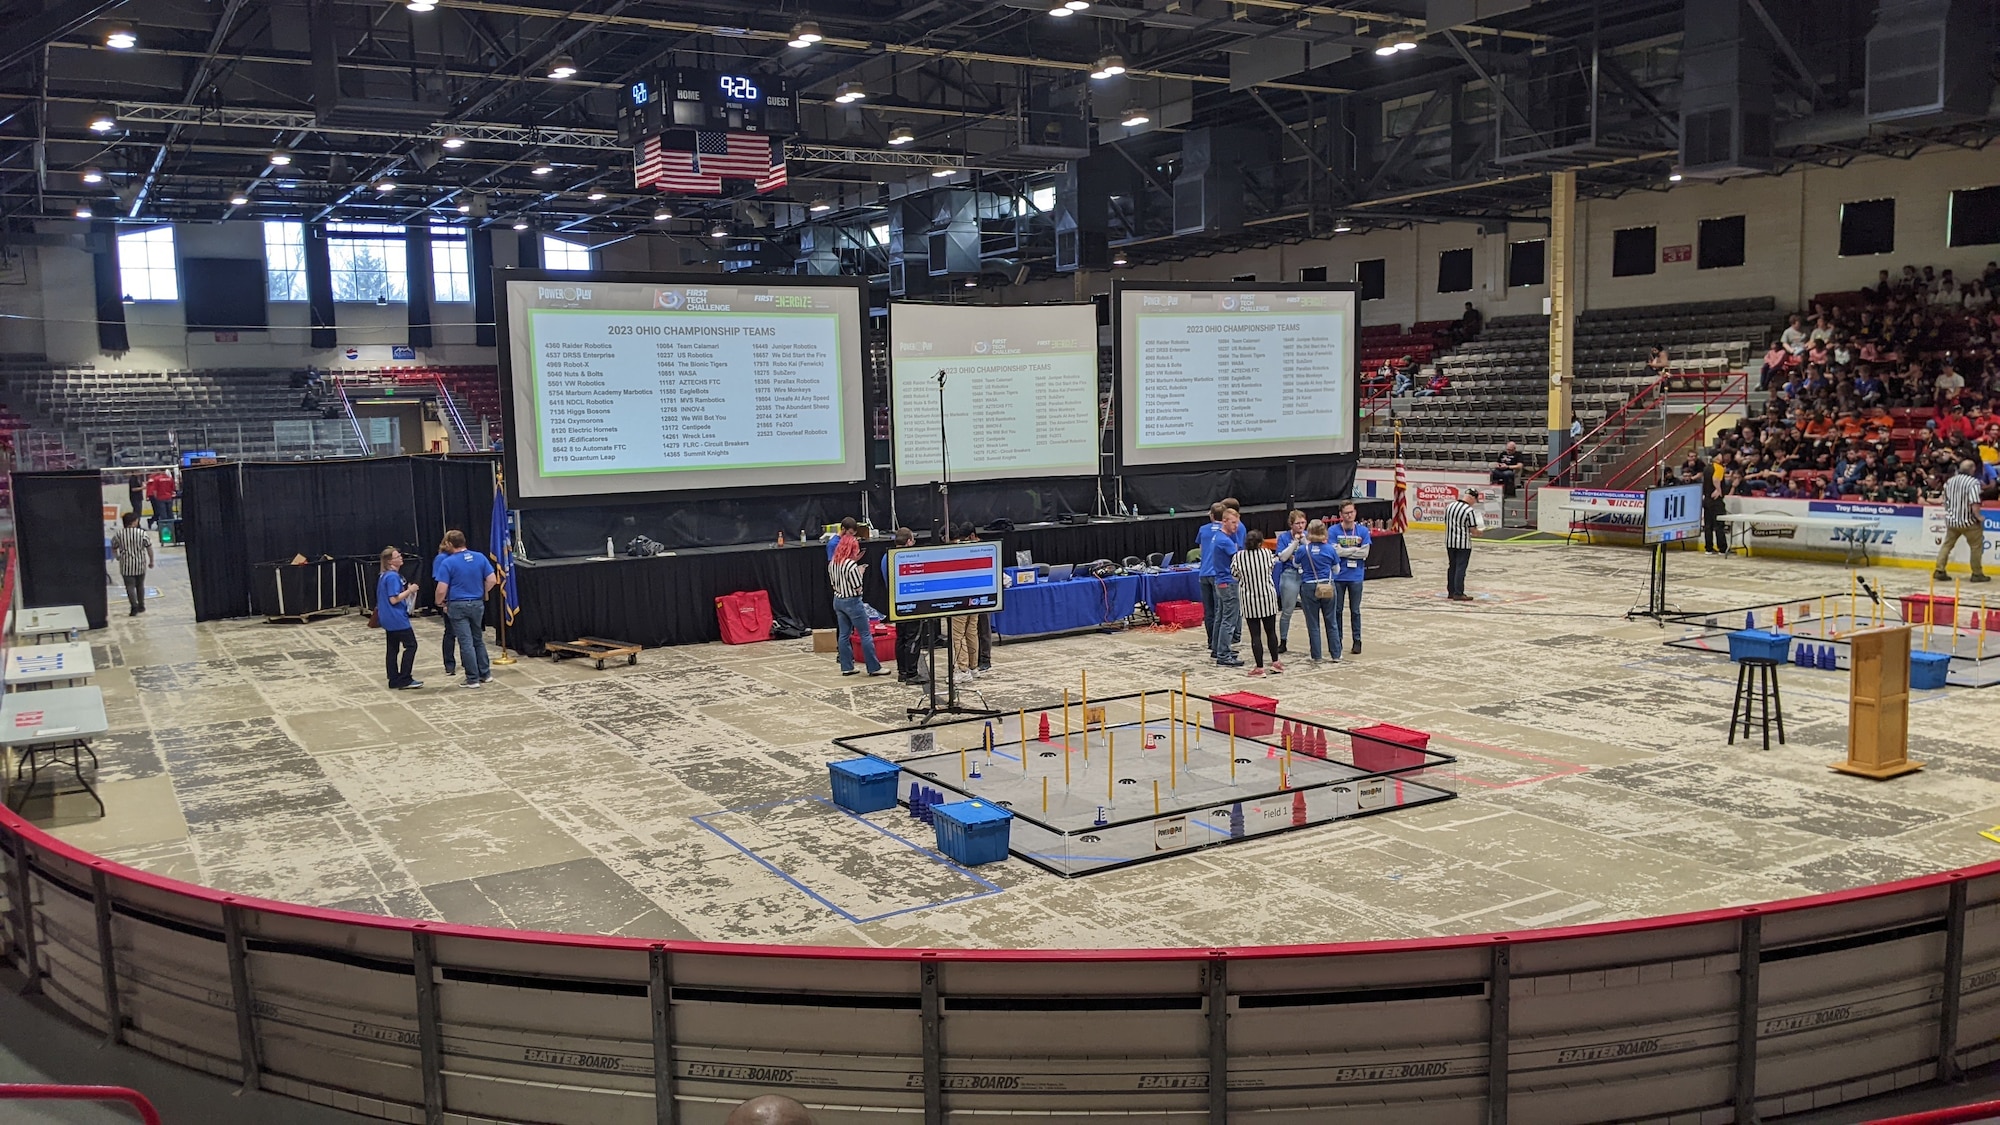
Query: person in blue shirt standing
point(463, 578)
point(392, 612)
point(1289, 576)
point(1317, 565)
point(1231, 503)
point(1221, 554)
point(1205, 574)
point(1351, 541)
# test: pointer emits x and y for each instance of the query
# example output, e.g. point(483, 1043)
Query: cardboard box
point(825, 640)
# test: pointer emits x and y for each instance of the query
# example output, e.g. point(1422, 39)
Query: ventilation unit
point(1927, 61)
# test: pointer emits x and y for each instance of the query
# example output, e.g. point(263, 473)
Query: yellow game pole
point(1284, 781)
point(1110, 767)
point(1822, 617)
point(1065, 770)
point(1955, 587)
point(961, 764)
point(1045, 794)
point(1232, 745)
point(1156, 796)
point(1086, 708)
point(1065, 722)
point(1142, 719)
point(1173, 769)
point(1024, 740)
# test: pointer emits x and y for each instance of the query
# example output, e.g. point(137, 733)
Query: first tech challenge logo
point(669, 299)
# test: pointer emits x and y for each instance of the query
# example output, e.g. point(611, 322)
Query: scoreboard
point(721, 100)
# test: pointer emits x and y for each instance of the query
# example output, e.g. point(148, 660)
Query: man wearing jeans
point(1962, 520)
point(1351, 542)
point(1221, 550)
point(463, 578)
point(1206, 574)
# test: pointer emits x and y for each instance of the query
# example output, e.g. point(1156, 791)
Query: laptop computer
point(1061, 572)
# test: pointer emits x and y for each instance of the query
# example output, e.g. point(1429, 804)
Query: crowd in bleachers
point(1876, 394)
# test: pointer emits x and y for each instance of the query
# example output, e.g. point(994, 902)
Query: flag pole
point(503, 553)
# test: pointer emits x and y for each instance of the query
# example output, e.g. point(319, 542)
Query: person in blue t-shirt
point(1219, 555)
point(1205, 573)
point(1351, 541)
point(463, 578)
point(1318, 563)
point(392, 612)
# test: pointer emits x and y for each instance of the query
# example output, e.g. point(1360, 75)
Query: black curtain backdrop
point(319, 287)
point(111, 334)
point(59, 529)
point(570, 532)
point(479, 255)
point(236, 516)
point(418, 268)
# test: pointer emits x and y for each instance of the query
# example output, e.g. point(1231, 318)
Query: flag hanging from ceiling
point(695, 162)
point(1399, 514)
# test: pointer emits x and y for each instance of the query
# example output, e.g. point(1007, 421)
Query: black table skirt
point(670, 599)
point(1388, 557)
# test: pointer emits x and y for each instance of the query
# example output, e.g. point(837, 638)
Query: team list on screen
point(1018, 413)
point(1240, 378)
point(639, 391)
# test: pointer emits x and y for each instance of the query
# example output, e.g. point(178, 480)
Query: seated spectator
point(1881, 289)
point(1507, 469)
point(1776, 359)
point(1794, 338)
point(1400, 383)
point(1949, 384)
point(1438, 385)
point(1468, 326)
point(1659, 361)
point(1988, 446)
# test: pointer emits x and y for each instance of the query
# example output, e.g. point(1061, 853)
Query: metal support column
point(107, 957)
point(1565, 305)
point(1949, 993)
point(933, 1045)
point(1218, 1041)
point(1499, 1019)
point(660, 992)
point(1750, 952)
point(239, 994)
point(430, 1041)
point(24, 918)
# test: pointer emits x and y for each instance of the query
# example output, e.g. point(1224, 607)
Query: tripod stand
point(950, 705)
point(1656, 590)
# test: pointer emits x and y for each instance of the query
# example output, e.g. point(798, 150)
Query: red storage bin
point(744, 616)
point(1386, 746)
point(1939, 610)
point(885, 644)
point(1256, 715)
point(1178, 613)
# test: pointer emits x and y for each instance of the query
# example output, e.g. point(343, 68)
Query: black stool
point(1757, 683)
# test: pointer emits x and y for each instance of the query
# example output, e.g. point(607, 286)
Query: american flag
point(695, 162)
point(1399, 514)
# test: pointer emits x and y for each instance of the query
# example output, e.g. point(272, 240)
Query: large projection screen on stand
point(1235, 371)
point(1020, 391)
point(637, 386)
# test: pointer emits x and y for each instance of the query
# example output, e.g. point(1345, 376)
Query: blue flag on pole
point(503, 558)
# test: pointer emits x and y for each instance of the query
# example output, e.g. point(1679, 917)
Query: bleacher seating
point(1499, 381)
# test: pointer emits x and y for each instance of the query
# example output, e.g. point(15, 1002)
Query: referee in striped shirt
point(1963, 521)
point(1460, 521)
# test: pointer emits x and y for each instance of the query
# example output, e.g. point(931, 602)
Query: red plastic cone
point(1298, 807)
point(1044, 735)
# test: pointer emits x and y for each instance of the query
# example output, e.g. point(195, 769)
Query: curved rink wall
point(1689, 1018)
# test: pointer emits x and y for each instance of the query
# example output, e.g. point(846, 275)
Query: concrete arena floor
point(1594, 779)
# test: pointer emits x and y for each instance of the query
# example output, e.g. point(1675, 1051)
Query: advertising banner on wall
point(1609, 510)
point(1908, 533)
point(1431, 491)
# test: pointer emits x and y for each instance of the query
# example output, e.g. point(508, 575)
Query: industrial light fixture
point(422, 5)
point(902, 135)
point(465, 208)
point(563, 67)
point(239, 199)
point(1134, 117)
point(1119, 260)
point(972, 283)
point(595, 196)
point(385, 185)
point(93, 176)
point(805, 33)
point(941, 173)
point(1063, 8)
point(1394, 44)
point(120, 37)
point(452, 141)
point(719, 231)
point(1342, 226)
point(83, 210)
point(520, 224)
point(1076, 5)
point(849, 92)
point(819, 206)
point(280, 157)
point(1674, 176)
point(1061, 11)
point(1110, 66)
point(664, 214)
point(103, 118)
point(541, 165)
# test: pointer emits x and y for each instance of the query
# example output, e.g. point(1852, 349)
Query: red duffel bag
point(744, 616)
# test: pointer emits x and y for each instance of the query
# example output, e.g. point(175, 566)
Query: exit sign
point(1681, 253)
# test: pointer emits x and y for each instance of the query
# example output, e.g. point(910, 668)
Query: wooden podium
point(1878, 704)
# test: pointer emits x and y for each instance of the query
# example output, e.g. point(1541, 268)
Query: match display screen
point(944, 581)
point(1673, 513)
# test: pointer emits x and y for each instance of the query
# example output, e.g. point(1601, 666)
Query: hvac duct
point(1927, 61)
point(1082, 213)
point(1727, 90)
point(819, 252)
point(954, 234)
point(1208, 192)
point(909, 248)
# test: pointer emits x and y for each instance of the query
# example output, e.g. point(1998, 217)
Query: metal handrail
point(50, 1092)
point(451, 408)
point(1624, 417)
point(353, 421)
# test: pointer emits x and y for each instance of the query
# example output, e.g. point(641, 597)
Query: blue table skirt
point(1085, 603)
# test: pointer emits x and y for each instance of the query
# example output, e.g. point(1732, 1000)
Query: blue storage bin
point(1757, 644)
point(1928, 669)
point(972, 832)
point(864, 784)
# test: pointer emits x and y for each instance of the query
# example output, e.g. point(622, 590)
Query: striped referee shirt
point(1459, 521)
point(1258, 594)
point(1961, 501)
point(846, 578)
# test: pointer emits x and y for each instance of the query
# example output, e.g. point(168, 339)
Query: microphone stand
point(950, 706)
point(944, 465)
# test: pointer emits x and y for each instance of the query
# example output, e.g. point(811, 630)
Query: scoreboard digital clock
point(691, 98)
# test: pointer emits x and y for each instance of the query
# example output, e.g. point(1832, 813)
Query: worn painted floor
point(269, 760)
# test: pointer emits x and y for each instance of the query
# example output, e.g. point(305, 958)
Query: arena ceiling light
point(819, 206)
point(804, 34)
point(1110, 66)
point(279, 157)
point(520, 224)
point(103, 118)
point(239, 199)
point(540, 165)
point(902, 135)
point(595, 196)
point(664, 214)
point(93, 175)
point(1064, 8)
point(120, 37)
point(83, 211)
point(465, 208)
point(1395, 44)
point(422, 5)
point(563, 67)
point(1134, 117)
point(452, 141)
point(1342, 226)
point(1674, 176)
point(385, 185)
point(940, 173)
point(719, 231)
point(849, 92)
point(1119, 260)
point(972, 283)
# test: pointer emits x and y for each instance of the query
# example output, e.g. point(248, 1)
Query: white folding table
point(51, 728)
point(69, 663)
point(36, 625)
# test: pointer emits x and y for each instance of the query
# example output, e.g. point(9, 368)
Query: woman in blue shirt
point(392, 612)
point(1288, 575)
point(1318, 563)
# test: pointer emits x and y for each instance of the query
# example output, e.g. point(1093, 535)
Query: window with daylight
point(562, 254)
point(371, 262)
point(1633, 251)
point(146, 267)
point(284, 261)
point(1528, 263)
point(1867, 226)
point(451, 266)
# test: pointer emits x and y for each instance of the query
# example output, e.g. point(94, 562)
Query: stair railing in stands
point(450, 411)
point(43, 1092)
point(1650, 464)
point(353, 421)
point(1717, 386)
